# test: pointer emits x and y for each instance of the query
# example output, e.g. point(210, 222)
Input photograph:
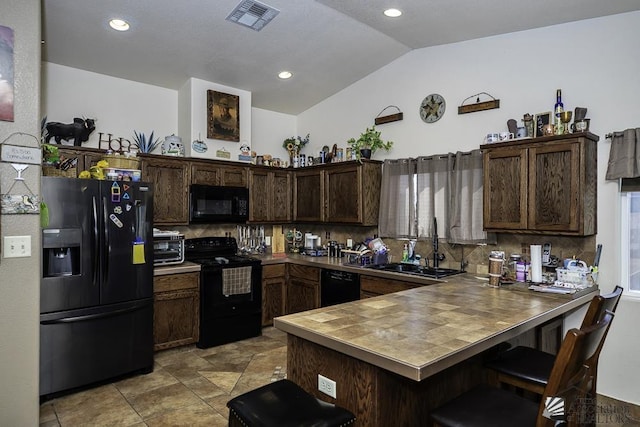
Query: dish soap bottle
point(405, 253)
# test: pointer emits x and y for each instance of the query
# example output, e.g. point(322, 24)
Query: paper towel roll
point(536, 263)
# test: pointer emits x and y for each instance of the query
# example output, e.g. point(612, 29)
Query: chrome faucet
point(436, 256)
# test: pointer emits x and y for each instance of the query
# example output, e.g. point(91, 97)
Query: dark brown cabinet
point(87, 157)
point(303, 288)
point(308, 195)
point(216, 174)
point(170, 179)
point(337, 193)
point(353, 193)
point(270, 195)
point(543, 186)
point(176, 307)
point(375, 286)
point(274, 282)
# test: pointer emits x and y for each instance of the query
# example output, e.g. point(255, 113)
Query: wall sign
point(17, 154)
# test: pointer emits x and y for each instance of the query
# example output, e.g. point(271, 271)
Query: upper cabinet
point(543, 186)
point(216, 174)
point(170, 179)
point(270, 195)
point(346, 192)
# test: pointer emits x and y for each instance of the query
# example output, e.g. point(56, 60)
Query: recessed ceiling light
point(285, 75)
point(392, 13)
point(119, 24)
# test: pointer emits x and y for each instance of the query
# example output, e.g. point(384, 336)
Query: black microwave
point(215, 204)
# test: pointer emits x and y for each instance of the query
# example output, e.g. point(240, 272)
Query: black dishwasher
point(337, 287)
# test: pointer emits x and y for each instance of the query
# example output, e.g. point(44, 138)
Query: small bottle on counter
point(405, 253)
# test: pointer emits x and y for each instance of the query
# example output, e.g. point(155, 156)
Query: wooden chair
point(569, 382)
point(529, 369)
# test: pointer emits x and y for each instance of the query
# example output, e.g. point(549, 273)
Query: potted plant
point(368, 142)
point(293, 146)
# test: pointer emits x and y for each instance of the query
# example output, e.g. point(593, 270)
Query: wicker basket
point(122, 162)
point(54, 171)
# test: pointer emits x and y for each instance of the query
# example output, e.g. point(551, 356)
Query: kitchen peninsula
point(396, 356)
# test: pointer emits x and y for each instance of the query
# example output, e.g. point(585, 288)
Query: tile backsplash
point(475, 257)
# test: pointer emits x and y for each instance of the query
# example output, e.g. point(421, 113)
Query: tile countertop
point(419, 332)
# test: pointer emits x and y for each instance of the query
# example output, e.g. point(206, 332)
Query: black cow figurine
point(79, 131)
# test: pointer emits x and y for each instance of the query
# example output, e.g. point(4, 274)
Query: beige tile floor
point(190, 387)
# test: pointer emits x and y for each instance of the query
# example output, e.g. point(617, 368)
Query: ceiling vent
point(253, 14)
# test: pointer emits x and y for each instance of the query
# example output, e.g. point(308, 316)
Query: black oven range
point(230, 291)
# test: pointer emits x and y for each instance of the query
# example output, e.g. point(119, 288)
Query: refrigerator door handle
point(107, 244)
point(92, 316)
point(96, 241)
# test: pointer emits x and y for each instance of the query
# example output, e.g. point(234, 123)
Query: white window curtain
point(465, 209)
point(445, 187)
point(433, 189)
point(397, 199)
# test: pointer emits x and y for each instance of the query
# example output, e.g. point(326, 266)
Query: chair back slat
point(599, 304)
point(571, 376)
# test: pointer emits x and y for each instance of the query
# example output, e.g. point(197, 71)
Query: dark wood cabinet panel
point(176, 308)
point(215, 174)
point(205, 174)
point(281, 201)
point(338, 193)
point(274, 283)
point(270, 196)
point(343, 194)
point(542, 186)
point(308, 195)
point(170, 179)
point(374, 286)
point(87, 157)
point(234, 176)
point(303, 288)
point(505, 189)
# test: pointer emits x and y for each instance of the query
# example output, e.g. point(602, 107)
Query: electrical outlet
point(267, 240)
point(327, 386)
point(17, 246)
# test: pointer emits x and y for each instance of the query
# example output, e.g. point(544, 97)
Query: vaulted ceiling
point(326, 44)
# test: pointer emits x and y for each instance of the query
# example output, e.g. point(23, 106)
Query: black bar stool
point(529, 369)
point(569, 384)
point(284, 404)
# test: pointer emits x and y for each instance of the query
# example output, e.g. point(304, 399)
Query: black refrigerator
point(96, 291)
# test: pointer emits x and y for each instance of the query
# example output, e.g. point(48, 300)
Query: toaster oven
point(168, 247)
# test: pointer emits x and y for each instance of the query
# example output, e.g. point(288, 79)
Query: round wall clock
point(432, 108)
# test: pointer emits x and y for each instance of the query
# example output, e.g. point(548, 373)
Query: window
point(630, 235)
point(447, 188)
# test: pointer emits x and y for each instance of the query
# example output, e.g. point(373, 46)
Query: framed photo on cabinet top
point(541, 120)
point(223, 116)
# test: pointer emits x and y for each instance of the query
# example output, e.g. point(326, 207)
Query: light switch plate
point(17, 246)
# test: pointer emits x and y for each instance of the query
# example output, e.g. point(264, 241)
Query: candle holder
point(565, 118)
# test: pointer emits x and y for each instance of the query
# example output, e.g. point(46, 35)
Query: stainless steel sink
point(416, 270)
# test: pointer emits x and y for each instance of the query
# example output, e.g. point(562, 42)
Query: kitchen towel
point(536, 263)
point(236, 281)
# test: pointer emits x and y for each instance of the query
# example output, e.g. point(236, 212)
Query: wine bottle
point(558, 108)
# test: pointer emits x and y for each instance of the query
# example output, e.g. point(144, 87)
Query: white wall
point(269, 129)
point(120, 106)
point(594, 62)
point(20, 277)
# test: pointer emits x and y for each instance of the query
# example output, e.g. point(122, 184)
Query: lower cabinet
point(176, 317)
point(274, 283)
point(303, 290)
point(374, 286)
